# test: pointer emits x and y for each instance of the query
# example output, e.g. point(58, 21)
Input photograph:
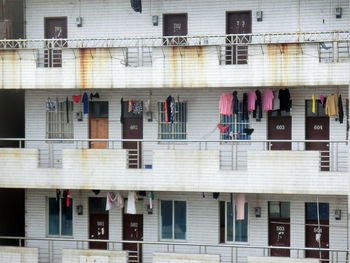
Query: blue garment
point(85, 100)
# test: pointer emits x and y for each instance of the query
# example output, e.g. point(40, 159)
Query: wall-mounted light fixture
point(338, 12)
point(259, 16)
point(79, 209)
point(79, 21)
point(155, 20)
point(337, 214)
point(257, 211)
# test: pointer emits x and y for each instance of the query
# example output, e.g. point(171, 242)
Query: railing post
point(50, 252)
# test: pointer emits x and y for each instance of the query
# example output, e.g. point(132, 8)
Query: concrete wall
point(93, 255)
point(19, 254)
point(184, 258)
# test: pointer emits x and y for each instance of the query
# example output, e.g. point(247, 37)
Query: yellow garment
point(313, 109)
point(332, 105)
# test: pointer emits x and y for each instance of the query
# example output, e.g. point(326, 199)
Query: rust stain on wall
point(86, 64)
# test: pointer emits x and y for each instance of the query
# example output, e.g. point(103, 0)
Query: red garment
point(166, 112)
point(68, 199)
point(223, 128)
point(76, 98)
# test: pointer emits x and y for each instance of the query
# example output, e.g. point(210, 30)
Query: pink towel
point(226, 103)
point(240, 201)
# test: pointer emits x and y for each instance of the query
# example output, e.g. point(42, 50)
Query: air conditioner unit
point(6, 29)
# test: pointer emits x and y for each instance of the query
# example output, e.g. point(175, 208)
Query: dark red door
point(55, 27)
point(317, 231)
point(279, 236)
point(99, 230)
point(280, 128)
point(132, 129)
point(317, 128)
point(238, 23)
point(175, 25)
point(133, 231)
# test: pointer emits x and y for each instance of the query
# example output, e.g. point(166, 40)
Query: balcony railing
point(233, 155)
point(200, 40)
point(51, 249)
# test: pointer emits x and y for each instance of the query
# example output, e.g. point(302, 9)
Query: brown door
point(238, 23)
point(98, 222)
point(280, 128)
point(133, 231)
point(175, 25)
point(317, 128)
point(55, 27)
point(279, 228)
point(317, 231)
point(98, 124)
point(132, 129)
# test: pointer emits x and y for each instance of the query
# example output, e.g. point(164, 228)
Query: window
point(231, 229)
point(59, 120)
point(238, 129)
point(320, 110)
point(60, 218)
point(279, 209)
point(177, 129)
point(173, 220)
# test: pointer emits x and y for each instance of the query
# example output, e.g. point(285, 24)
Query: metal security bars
point(49, 58)
point(138, 56)
point(59, 121)
point(334, 51)
point(237, 127)
point(177, 129)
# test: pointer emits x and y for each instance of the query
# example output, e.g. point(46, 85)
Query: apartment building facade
point(92, 155)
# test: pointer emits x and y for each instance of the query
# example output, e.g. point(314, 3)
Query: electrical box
point(259, 16)
point(79, 21)
point(338, 12)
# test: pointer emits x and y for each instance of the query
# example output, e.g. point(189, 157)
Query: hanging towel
point(267, 99)
point(332, 105)
point(111, 198)
point(225, 103)
point(76, 98)
point(251, 100)
point(313, 108)
point(85, 101)
point(131, 208)
point(67, 197)
point(240, 202)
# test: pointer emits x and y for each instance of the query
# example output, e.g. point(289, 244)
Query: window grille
point(237, 129)
point(49, 58)
point(138, 56)
point(176, 130)
point(59, 122)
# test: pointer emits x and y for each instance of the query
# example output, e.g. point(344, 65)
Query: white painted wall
point(202, 222)
point(111, 18)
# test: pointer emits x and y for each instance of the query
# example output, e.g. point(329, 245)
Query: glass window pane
point(54, 219)
point(285, 209)
point(241, 227)
point(67, 219)
point(311, 210)
point(167, 219)
point(229, 220)
point(180, 219)
point(222, 221)
point(274, 209)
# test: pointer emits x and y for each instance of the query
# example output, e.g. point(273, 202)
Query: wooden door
point(132, 129)
point(175, 25)
point(238, 23)
point(316, 227)
point(98, 124)
point(133, 231)
point(279, 236)
point(280, 128)
point(55, 27)
point(99, 229)
point(317, 128)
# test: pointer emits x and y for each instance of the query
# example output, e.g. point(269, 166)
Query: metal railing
point(199, 40)
point(50, 249)
point(233, 153)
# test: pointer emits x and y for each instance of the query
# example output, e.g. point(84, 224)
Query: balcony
point(199, 166)
point(281, 59)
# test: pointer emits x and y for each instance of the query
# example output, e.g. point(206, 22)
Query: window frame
point(57, 114)
point(161, 113)
point(173, 221)
point(234, 225)
point(59, 220)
